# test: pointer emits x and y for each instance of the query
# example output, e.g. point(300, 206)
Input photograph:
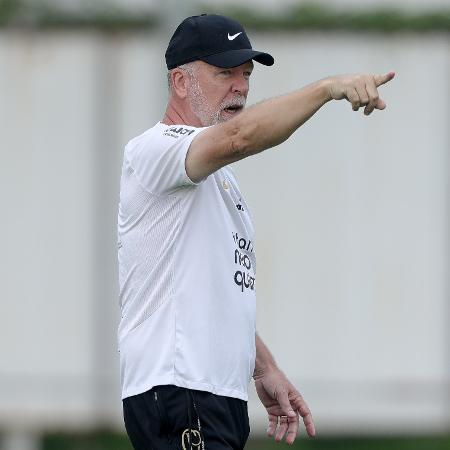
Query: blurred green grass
point(111, 441)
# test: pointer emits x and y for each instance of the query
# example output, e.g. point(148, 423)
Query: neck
point(176, 114)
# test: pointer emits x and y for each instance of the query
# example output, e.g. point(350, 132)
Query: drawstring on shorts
point(191, 399)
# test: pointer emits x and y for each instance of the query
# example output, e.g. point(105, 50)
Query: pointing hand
point(359, 90)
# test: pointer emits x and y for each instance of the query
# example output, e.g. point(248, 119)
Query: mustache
point(239, 100)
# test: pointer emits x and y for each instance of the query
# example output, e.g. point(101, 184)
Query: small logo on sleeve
point(176, 132)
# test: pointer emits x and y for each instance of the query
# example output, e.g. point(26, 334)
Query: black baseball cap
point(217, 40)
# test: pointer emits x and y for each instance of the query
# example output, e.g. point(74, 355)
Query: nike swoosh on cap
point(231, 38)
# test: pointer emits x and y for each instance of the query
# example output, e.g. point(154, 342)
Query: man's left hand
point(284, 405)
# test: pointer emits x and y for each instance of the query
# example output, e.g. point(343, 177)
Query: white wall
point(48, 97)
point(351, 217)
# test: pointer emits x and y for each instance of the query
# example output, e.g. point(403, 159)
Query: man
point(187, 336)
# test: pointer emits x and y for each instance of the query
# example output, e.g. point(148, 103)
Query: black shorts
point(174, 418)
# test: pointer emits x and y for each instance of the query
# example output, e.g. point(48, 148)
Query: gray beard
point(203, 111)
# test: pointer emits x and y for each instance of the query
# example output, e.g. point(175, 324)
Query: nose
point(240, 85)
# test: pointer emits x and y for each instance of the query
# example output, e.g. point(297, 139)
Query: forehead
point(210, 68)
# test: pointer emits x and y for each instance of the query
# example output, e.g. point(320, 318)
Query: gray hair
point(188, 67)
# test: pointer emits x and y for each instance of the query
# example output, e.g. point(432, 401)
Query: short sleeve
point(158, 157)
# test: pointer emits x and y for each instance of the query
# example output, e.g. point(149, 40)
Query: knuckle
point(304, 410)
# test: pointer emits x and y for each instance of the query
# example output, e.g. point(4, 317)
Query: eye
point(247, 74)
point(225, 72)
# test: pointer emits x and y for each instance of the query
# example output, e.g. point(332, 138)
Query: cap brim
point(234, 58)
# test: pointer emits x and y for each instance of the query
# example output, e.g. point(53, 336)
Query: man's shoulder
point(162, 134)
point(158, 156)
point(143, 136)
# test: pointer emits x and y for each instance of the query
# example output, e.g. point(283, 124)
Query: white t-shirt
point(186, 271)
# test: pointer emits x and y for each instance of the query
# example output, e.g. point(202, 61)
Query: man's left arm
point(283, 402)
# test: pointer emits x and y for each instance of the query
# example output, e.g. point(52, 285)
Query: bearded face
point(216, 95)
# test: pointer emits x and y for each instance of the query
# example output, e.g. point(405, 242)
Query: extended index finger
point(383, 79)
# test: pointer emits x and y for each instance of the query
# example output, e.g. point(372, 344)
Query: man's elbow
point(243, 140)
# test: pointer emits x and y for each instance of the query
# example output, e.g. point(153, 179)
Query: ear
point(180, 80)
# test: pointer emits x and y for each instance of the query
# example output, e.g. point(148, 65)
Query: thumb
point(381, 104)
point(382, 79)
